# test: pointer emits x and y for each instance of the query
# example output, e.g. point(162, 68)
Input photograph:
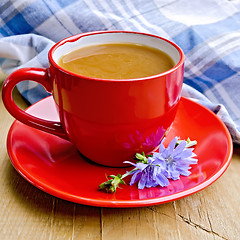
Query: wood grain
point(28, 213)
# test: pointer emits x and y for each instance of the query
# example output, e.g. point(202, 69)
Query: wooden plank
point(74, 221)
point(133, 223)
point(214, 210)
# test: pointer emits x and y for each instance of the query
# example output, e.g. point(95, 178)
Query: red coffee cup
point(107, 120)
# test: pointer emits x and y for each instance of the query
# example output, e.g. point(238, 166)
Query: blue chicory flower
point(175, 160)
point(148, 174)
point(167, 163)
point(154, 170)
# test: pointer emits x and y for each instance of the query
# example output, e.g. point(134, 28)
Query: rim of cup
point(82, 40)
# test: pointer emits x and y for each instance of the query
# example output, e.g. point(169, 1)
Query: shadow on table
point(33, 198)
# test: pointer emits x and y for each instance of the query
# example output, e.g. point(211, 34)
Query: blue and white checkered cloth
point(208, 31)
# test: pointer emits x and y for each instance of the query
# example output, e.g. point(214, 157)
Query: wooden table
point(28, 213)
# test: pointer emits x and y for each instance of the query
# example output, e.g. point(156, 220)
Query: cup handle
point(40, 76)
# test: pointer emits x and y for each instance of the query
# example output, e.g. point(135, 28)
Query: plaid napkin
point(206, 30)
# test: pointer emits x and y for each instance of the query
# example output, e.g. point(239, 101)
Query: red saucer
point(56, 167)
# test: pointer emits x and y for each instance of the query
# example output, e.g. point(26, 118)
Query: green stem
point(128, 173)
point(191, 143)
